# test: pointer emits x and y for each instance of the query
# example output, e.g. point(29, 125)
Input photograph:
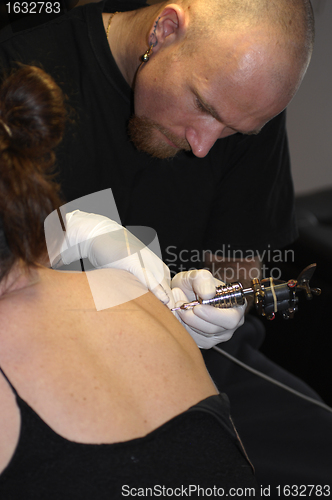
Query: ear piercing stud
point(147, 54)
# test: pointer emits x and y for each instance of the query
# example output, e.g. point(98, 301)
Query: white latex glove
point(108, 244)
point(207, 325)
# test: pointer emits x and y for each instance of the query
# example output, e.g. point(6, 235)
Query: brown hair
point(32, 119)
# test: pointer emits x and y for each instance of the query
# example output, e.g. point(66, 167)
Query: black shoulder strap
point(9, 382)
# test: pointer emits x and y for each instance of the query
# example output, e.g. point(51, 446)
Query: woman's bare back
point(94, 377)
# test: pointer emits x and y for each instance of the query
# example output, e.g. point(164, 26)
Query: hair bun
point(32, 113)
point(32, 120)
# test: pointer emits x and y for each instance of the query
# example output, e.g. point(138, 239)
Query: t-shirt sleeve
point(254, 197)
point(122, 5)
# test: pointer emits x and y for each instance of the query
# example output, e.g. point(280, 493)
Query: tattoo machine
point(270, 296)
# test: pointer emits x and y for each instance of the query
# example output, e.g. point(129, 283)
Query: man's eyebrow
point(214, 113)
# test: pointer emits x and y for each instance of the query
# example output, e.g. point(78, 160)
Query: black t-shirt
point(239, 197)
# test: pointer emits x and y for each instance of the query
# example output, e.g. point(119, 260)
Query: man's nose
point(201, 139)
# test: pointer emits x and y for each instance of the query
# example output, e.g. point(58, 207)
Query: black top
point(198, 447)
point(240, 196)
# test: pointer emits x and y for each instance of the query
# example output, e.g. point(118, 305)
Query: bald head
point(291, 22)
point(281, 29)
point(220, 66)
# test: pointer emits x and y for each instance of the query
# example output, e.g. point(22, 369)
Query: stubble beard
point(142, 133)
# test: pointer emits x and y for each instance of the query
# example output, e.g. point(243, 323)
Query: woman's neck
point(18, 279)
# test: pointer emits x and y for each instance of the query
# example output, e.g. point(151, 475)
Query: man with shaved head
point(217, 68)
point(179, 109)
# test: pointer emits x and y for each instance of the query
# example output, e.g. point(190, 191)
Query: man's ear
point(168, 26)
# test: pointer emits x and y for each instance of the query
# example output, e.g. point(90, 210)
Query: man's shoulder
point(30, 27)
point(55, 46)
point(35, 25)
point(122, 5)
point(6, 33)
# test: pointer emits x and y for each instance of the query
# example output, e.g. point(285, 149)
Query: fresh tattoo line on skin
point(153, 37)
point(153, 42)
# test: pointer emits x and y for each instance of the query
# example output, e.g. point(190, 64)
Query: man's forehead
point(244, 107)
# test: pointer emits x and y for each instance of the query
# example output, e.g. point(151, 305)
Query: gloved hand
point(207, 325)
point(108, 244)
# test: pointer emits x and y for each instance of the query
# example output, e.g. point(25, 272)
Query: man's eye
point(200, 106)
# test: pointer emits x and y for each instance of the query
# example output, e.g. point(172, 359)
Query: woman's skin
point(93, 377)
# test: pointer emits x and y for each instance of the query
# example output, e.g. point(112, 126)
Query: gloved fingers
point(208, 319)
point(107, 244)
point(216, 338)
point(180, 281)
point(164, 294)
point(81, 228)
point(200, 325)
point(161, 290)
point(111, 249)
point(228, 319)
point(179, 297)
point(198, 281)
point(156, 266)
point(100, 238)
point(158, 275)
point(203, 283)
point(197, 328)
point(106, 249)
point(159, 287)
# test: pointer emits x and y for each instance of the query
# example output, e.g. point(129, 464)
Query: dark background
point(303, 345)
